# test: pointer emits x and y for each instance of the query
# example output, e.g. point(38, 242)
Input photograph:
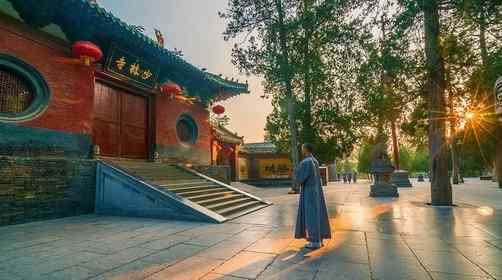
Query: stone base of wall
point(42, 188)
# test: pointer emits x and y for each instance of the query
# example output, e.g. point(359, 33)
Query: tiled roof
point(225, 135)
point(259, 148)
point(81, 20)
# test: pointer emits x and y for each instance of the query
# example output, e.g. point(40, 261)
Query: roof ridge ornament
point(160, 37)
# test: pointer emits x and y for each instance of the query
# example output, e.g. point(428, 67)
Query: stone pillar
point(382, 169)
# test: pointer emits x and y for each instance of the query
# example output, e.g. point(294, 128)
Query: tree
point(364, 156)
point(435, 91)
point(483, 19)
point(328, 114)
point(420, 161)
point(267, 50)
point(441, 192)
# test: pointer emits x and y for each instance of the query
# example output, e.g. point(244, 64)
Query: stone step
point(180, 182)
point(148, 166)
point(165, 177)
point(212, 195)
point(238, 208)
point(175, 185)
point(162, 173)
point(229, 204)
point(190, 194)
point(181, 190)
point(246, 211)
point(210, 201)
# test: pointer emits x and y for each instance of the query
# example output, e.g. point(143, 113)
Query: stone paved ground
point(373, 239)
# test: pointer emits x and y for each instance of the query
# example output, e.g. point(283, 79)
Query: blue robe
point(312, 222)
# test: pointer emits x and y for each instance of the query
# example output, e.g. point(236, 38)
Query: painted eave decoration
point(82, 20)
point(224, 135)
point(259, 148)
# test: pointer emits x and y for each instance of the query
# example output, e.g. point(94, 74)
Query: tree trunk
point(455, 162)
point(441, 191)
point(308, 131)
point(287, 79)
point(395, 145)
point(498, 161)
point(482, 42)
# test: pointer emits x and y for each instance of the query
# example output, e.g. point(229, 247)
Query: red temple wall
point(71, 84)
point(167, 113)
point(72, 95)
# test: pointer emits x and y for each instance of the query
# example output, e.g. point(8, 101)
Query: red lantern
point(88, 52)
point(218, 109)
point(228, 151)
point(171, 89)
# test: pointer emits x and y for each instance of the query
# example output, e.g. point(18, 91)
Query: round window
point(187, 130)
point(24, 94)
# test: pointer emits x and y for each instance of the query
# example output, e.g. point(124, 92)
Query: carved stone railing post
point(96, 152)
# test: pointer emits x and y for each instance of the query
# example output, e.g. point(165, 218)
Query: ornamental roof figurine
point(160, 38)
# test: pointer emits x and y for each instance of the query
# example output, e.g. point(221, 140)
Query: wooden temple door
point(120, 123)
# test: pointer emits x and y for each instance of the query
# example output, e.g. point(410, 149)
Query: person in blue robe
point(312, 222)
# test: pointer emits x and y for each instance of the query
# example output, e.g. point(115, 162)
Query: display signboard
point(275, 168)
point(132, 67)
point(243, 169)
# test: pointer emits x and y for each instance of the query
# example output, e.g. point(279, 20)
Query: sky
point(194, 27)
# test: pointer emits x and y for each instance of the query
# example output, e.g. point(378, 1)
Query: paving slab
point(401, 238)
point(246, 265)
point(343, 271)
point(188, 269)
point(173, 254)
point(136, 270)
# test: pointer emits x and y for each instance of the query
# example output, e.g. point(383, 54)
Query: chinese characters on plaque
point(132, 67)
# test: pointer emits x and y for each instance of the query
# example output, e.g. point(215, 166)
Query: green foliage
point(357, 66)
point(364, 156)
point(405, 157)
point(419, 161)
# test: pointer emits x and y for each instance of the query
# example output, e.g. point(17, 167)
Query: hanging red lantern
point(218, 109)
point(88, 52)
point(228, 151)
point(171, 89)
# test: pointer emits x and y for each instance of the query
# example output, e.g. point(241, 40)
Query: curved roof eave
point(88, 21)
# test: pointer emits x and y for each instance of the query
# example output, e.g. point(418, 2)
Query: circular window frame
point(36, 82)
point(195, 129)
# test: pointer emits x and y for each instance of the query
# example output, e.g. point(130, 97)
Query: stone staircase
point(209, 193)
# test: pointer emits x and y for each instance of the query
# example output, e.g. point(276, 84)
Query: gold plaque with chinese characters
point(132, 67)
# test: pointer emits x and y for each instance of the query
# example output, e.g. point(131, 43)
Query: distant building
point(262, 164)
point(76, 82)
point(225, 146)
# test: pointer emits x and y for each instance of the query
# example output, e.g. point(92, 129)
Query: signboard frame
point(132, 67)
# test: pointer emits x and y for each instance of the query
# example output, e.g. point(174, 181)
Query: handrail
point(222, 184)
